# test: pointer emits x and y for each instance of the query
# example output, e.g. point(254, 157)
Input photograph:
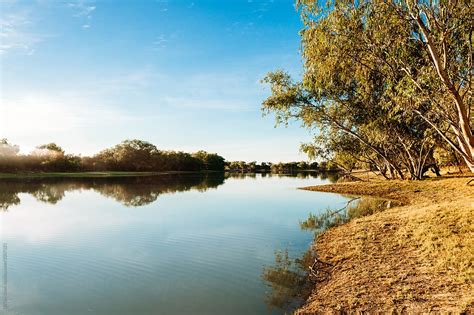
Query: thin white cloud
point(83, 10)
point(232, 91)
point(132, 82)
point(15, 33)
point(159, 43)
point(196, 102)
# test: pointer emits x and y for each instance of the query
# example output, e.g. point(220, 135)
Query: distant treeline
point(289, 167)
point(136, 156)
point(130, 155)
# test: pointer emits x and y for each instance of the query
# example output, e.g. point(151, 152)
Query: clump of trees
point(137, 155)
point(45, 158)
point(387, 83)
point(130, 155)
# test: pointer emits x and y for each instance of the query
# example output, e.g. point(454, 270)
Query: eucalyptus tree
point(445, 31)
point(355, 122)
point(423, 50)
point(369, 75)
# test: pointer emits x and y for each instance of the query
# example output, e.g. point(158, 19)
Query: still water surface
point(178, 244)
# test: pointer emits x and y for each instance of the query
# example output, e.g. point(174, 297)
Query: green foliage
point(323, 221)
point(446, 156)
point(130, 155)
point(210, 161)
point(137, 155)
point(369, 85)
point(356, 208)
point(50, 147)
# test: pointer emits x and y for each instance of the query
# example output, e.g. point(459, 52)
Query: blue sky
point(181, 74)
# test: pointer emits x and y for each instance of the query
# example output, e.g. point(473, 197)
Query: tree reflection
point(8, 199)
point(49, 193)
point(129, 191)
point(330, 176)
point(289, 280)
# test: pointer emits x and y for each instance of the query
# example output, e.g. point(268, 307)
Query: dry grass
point(416, 258)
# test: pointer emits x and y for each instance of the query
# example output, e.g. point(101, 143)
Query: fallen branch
point(345, 207)
point(320, 274)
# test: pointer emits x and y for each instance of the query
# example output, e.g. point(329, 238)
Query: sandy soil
point(416, 258)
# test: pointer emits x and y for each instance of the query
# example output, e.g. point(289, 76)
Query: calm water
point(157, 245)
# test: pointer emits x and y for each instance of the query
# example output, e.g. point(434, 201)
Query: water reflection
point(332, 177)
point(129, 191)
point(206, 249)
point(5, 274)
point(355, 208)
point(291, 279)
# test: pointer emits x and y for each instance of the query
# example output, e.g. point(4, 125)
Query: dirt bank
point(416, 258)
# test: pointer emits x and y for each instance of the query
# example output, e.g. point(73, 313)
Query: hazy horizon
point(183, 75)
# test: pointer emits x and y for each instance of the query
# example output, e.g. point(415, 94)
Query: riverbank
point(416, 258)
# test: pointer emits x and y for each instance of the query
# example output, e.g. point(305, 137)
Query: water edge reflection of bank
point(291, 279)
